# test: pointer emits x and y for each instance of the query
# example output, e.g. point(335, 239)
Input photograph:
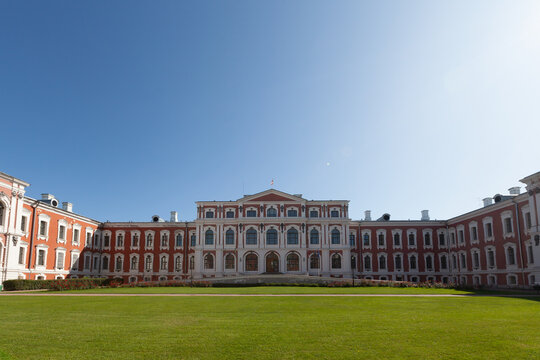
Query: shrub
point(63, 284)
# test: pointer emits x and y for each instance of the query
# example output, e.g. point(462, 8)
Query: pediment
point(271, 195)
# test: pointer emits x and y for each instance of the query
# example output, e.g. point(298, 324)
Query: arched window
point(209, 261)
point(271, 237)
point(229, 262)
point(229, 237)
point(511, 256)
point(382, 262)
point(209, 237)
point(251, 237)
point(178, 264)
point(163, 263)
point(118, 263)
point(336, 237)
point(2, 214)
point(429, 262)
point(314, 237)
point(397, 260)
point(292, 236)
point(252, 262)
point(148, 263)
point(336, 261)
point(412, 262)
point(367, 263)
point(134, 263)
point(178, 240)
point(314, 261)
point(272, 212)
point(293, 262)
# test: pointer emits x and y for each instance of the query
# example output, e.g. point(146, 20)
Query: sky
point(133, 108)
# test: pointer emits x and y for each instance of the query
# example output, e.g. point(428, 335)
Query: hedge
point(63, 284)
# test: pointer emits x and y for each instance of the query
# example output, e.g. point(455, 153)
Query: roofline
point(47, 206)
point(14, 179)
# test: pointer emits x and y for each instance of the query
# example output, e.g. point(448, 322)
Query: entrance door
point(272, 263)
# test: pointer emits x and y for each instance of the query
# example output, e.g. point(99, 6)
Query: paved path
point(265, 295)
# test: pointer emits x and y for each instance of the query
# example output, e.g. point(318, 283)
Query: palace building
point(273, 232)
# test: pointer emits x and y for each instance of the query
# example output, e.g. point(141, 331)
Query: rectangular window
point(178, 240)
point(489, 230)
point(531, 256)
point(43, 228)
point(193, 240)
point(528, 220)
point(313, 214)
point(74, 262)
point(59, 261)
point(491, 258)
point(251, 213)
point(76, 236)
point(476, 260)
point(209, 214)
point(62, 232)
point(453, 238)
point(366, 239)
point(461, 235)
point(21, 255)
point(24, 219)
point(292, 213)
point(352, 239)
point(87, 262)
point(334, 213)
point(106, 241)
point(442, 241)
point(508, 225)
point(230, 214)
point(474, 233)
point(41, 257)
point(427, 239)
point(88, 240)
point(381, 239)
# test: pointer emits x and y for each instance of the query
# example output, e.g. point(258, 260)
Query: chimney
point(174, 216)
point(367, 215)
point(514, 190)
point(47, 196)
point(67, 206)
point(425, 215)
point(487, 201)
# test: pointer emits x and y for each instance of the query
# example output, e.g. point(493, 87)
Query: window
point(135, 240)
point(476, 260)
point(192, 263)
point(336, 237)
point(427, 239)
point(336, 261)
point(61, 232)
point(528, 222)
point(87, 262)
point(193, 240)
point(24, 219)
point(463, 260)
point(367, 263)
point(178, 264)
point(510, 256)
point(366, 239)
point(105, 263)
point(352, 240)
point(442, 240)
point(251, 213)
point(252, 262)
point(229, 214)
point(88, 240)
point(530, 252)
point(380, 239)
point(397, 261)
point(148, 263)
point(178, 242)
point(382, 262)
point(134, 263)
point(229, 262)
point(251, 237)
point(292, 213)
point(271, 237)
point(334, 213)
point(229, 237)
point(353, 262)
point(397, 239)
point(512, 280)
point(314, 262)
point(60, 260)
point(491, 258)
point(164, 240)
point(444, 261)
point(292, 237)
point(2, 214)
point(120, 241)
point(118, 266)
point(314, 237)
point(507, 225)
point(272, 212)
point(313, 214)
point(209, 215)
point(163, 263)
point(461, 236)
point(41, 257)
point(43, 228)
point(474, 233)
point(489, 230)
point(106, 241)
point(21, 255)
point(293, 262)
point(412, 262)
point(453, 238)
point(149, 241)
point(429, 263)
point(76, 236)
point(412, 240)
point(454, 261)
point(209, 237)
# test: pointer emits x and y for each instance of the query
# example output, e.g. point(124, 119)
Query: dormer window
point(272, 212)
point(292, 213)
point(251, 213)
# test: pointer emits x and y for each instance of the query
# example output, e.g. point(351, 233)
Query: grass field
point(269, 327)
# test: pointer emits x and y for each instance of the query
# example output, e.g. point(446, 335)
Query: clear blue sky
point(129, 109)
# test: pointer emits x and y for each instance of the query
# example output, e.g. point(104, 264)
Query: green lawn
point(269, 327)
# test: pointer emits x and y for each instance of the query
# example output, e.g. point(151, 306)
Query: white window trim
point(60, 252)
point(368, 246)
point(167, 233)
point(414, 232)
point(400, 233)
point(41, 247)
point(486, 250)
point(383, 232)
point(432, 255)
point(117, 235)
point(474, 224)
point(430, 232)
point(72, 253)
point(73, 228)
point(132, 234)
point(504, 215)
point(485, 221)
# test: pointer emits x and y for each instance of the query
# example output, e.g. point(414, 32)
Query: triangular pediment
point(271, 195)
